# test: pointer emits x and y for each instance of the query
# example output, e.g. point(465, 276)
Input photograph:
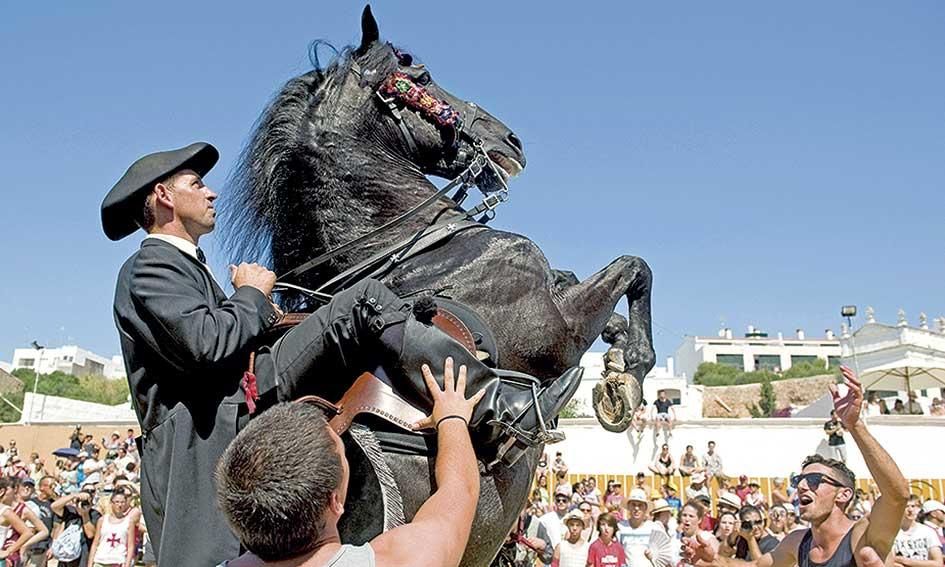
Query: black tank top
point(842, 557)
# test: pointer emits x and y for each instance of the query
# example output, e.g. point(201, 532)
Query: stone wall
point(736, 399)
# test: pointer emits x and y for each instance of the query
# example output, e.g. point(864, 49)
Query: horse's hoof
point(614, 399)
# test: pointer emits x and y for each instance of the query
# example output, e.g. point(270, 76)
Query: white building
point(70, 359)
point(878, 347)
point(755, 351)
point(687, 399)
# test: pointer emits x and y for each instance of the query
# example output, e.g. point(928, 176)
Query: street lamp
point(849, 311)
point(39, 360)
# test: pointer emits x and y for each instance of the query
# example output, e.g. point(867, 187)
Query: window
point(674, 395)
point(28, 362)
point(833, 362)
point(801, 358)
point(768, 362)
point(733, 360)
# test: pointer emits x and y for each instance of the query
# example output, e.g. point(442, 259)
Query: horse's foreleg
point(587, 306)
point(588, 309)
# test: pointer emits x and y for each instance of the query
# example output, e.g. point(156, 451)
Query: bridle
point(396, 93)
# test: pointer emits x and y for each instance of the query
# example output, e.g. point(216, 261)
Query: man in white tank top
point(114, 543)
point(572, 550)
point(295, 440)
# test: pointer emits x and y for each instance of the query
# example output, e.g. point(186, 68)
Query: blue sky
point(770, 161)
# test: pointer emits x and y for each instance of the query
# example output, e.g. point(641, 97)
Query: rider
point(825, 489)
point(187, 347)
point(288, 463)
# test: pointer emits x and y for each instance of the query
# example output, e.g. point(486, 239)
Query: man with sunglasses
point(554, 521)
point(825, 488)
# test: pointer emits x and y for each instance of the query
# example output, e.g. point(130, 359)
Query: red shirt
point(708, 523)
point(600, 555)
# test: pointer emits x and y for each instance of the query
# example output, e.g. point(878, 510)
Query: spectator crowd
point(572, 522)
point(76, 508)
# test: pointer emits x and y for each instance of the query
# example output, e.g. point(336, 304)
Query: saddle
point(369, 395)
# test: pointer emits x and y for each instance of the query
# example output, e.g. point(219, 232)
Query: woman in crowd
point(11, 525)
point(118, 528)
point(614, 498)
point(663, 465)
point(606, 551)
point(592, 494)
point(543, 487)
point(29, 513)
point(727, 534)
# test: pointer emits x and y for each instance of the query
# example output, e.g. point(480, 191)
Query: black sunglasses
point(584, 509)
point(562, 499)
point(814, 479)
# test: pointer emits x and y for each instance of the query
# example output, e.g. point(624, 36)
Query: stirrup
point(517, 440)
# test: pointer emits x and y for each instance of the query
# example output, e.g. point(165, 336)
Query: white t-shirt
point(916, 542)
point(635, 541)
point(554, 527)
point(692, 492)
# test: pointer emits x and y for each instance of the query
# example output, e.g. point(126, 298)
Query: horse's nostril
point(513, 139)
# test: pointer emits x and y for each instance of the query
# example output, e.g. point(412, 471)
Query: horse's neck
point(362, 199)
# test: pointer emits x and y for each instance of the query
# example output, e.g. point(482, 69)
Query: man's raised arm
point(441, 526)
point(886, 515)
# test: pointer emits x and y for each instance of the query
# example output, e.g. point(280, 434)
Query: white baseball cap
point(931, 505)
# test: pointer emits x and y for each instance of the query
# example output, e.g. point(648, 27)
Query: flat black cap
point(122, 205)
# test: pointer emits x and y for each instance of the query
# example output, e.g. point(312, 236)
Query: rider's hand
point(848, 407)
point(451, 400)
point(253, 275)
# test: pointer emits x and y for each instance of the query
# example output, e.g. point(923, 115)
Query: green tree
point(713, 374)
point(97, 389)
point(767, 404)
point(574, 408)
point(807, 368)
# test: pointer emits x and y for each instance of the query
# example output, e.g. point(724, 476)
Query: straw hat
point(660, 505)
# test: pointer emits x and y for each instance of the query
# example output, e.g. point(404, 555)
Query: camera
point(747, 525)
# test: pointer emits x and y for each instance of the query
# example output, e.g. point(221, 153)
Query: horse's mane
point(271, 163)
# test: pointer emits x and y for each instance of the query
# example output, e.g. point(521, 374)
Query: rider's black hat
point(122, 206)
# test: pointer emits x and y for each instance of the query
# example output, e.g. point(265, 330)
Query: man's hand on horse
point(449, 403)
point(253, 275)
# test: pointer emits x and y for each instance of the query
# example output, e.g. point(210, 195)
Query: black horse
point(338, 154)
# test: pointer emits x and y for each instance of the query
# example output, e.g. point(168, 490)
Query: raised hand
point(848, 407)
point(451, 400)
point(700, 550)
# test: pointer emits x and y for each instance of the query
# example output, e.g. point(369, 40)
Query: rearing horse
point(338, 153)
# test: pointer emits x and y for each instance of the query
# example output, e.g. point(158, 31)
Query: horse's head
point(408, 112)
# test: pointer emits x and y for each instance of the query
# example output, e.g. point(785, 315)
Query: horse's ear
point(369, 31)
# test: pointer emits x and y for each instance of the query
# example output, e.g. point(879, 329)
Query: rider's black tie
point(201, 256)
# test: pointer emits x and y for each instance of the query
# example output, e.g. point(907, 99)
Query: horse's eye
point(405, 59)
point(424, 79)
